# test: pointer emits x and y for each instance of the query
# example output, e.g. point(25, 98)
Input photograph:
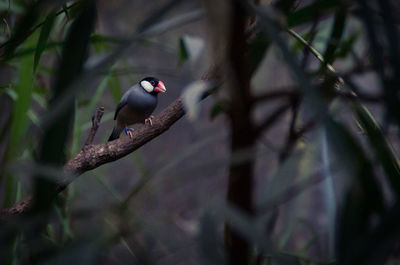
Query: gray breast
point(140, 101)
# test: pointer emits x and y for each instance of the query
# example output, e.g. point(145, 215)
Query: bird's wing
point(122, 102)
point(119, 107)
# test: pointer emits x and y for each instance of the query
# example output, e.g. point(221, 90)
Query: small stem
point(95, 126)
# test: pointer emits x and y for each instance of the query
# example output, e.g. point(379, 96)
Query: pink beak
point(160, 87)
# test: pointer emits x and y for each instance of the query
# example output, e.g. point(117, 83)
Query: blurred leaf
point(295, 170)
point(363, 200)
point(26, 25)
point(352, 222)
point(55, 136)
point(80, 120)
point(99, 43)
point(33, 117)
point(257, 49)
point(172, 23)
point(157, 14)
point(383, 150)
point(357, 164)
point(347, 45)
point(82, 251)
point(114, 86)
point(64, 219)
point(314, 51)
point(284, 238)
point(336, 36)
point(11, 6)
point(192, 94)
point(218, 108)
point(210, 245)
point(11, 93)
point(329, 196)
point(285, 259)
point(312, 97)
point(378, 245)
point(106, 184)
point(183, 53)
point(23, 89)
point(44, 35)
point(21, 30)
point(286, 174)
point(189, 48)
point(40, 99)
point(310, 12)
point(75, 9)
point(249, 228)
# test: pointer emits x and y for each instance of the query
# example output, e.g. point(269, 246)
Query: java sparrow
point(137, 105)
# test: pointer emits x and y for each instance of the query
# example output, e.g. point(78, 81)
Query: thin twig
point(283, 92)
point(292, 135)
point(291, 192)
point(95, 126)
point(271, 119)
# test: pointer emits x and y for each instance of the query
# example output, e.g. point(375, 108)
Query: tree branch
point(95, 155)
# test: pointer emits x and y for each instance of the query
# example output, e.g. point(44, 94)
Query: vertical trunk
point(242, 132)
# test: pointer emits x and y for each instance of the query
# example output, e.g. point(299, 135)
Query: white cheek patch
point(147, 86)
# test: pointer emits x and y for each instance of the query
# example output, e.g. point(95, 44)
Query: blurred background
point(291, 158)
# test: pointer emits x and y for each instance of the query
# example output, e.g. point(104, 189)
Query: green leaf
point(336, 36)
point(189, 48)
point(23, 89)
point(257, 49)
point(44, 35)
point(219, 107)
point(347, 45)
point(183, 54)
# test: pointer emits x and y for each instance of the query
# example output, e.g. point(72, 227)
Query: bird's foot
point(149, 120)
point(128, 132)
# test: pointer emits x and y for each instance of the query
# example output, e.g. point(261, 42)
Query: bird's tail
point(115, 133)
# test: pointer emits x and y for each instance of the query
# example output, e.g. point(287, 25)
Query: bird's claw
point(128, 132)
point(149, 120)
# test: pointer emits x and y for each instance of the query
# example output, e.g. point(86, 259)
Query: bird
point(136, 106)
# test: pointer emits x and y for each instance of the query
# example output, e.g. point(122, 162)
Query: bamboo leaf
point(23, 89)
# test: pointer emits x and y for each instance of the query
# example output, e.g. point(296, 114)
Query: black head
point(152, 85)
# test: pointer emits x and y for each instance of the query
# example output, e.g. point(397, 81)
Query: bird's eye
point(152, 83)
